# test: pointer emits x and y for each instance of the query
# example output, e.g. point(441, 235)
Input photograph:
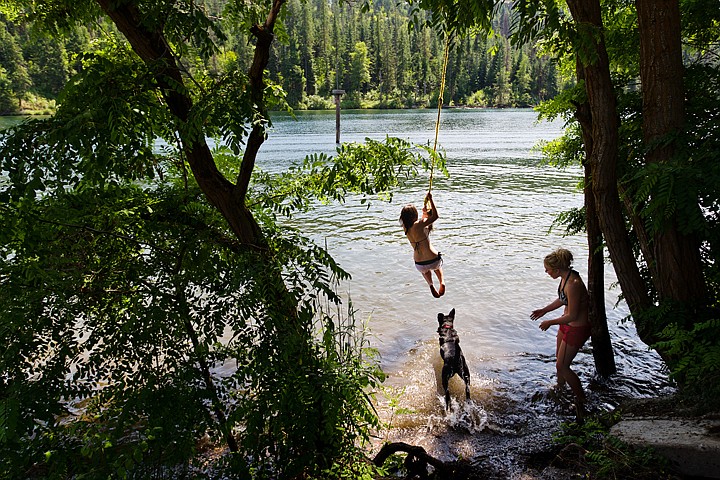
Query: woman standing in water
point(417, 230)
point(574, 326)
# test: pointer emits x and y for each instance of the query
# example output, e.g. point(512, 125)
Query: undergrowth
point(589, 448)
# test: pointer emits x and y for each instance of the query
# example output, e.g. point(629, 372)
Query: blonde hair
point(560, 258)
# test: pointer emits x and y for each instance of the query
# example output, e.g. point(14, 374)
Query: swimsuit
point(575, 336)
point(572, 335)
point(417, 244)
point(429, 265)
point(561, 292)
point(426, 265)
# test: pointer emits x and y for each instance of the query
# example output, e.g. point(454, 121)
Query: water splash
point(462, 416)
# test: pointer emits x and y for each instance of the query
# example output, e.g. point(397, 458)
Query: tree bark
point(152, 47)
point(264, 37)
point(601, 344)
point(603, 158)
point(678, 276)
point(641, 232)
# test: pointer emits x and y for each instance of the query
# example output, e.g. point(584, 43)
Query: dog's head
point(446, 321)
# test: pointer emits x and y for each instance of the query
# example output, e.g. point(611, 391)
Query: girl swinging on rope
point(417, 230)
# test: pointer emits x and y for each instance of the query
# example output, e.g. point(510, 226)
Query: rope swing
point(441, 96)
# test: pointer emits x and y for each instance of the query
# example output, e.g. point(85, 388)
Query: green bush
point(316, 102)
point(478, 99)
point(596, 454)
point(694, 355)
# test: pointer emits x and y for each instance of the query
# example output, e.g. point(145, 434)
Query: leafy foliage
point(590, 448)
point(91, 139)
point(370, 169)
point(696, 357)
point(120, 300)
point(136, 323)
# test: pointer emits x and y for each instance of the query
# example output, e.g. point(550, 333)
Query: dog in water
point(452, 356)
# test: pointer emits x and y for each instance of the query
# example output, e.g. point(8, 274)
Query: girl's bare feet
point(442, 290)
point(579, 412)
point(435, 292)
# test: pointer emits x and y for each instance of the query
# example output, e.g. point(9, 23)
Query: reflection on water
point(496, 209)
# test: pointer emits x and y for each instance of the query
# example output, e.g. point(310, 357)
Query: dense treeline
point(372, 53)
point(34, 68)
point(380, 62)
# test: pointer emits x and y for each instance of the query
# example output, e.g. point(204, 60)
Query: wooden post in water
point(337, 94)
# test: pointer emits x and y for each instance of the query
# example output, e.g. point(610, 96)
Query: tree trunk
point(678, 275)
point(603, 158)
point(294, 339)
point(154, 50)
point(601, 344)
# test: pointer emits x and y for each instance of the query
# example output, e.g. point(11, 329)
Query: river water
point(496, 209)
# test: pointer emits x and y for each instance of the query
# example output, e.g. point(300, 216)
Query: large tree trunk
point(294, 339)
point(152, 47)
point(603, 158)
point(678, 275)
point(602, 346)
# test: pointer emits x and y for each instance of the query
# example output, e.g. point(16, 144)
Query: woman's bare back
point(419, 237)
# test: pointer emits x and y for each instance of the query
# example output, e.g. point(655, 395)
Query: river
point(496, 210)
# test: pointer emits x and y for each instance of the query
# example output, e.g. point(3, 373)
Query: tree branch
point(264, 36)
point(151, 46)
point(418, 460)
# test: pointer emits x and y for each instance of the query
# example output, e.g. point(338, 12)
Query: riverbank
point(592, 450)
point(46, 107)
point(561, 452)
point(32, 105)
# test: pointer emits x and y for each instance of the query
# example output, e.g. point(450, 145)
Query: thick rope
point(441, 97)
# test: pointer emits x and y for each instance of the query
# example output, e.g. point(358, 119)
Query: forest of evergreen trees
point(382, 55)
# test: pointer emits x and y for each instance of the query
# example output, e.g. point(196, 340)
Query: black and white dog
point(453, 358)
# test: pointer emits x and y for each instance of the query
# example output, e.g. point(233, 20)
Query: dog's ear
point(452, 314)
point(441, 318)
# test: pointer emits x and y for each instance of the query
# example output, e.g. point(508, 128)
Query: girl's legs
point(439, 275)
point(558, 341)
point(428, 278)
point(566, 354)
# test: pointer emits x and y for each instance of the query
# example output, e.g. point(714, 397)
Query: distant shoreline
point(39, 113)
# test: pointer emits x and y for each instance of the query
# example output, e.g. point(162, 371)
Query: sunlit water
point(496, 209)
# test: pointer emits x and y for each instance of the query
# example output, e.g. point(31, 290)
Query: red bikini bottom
point(575, 336)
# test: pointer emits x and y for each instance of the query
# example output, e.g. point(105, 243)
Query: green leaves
point(458, 16)
point(695, 357)
point(91, 139)
point(133, 321)
point(116, 298)
point(370, 169)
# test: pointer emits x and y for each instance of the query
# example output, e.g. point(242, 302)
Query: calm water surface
point(496, 210)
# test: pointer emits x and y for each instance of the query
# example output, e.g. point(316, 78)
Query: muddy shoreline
point(517, 449)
